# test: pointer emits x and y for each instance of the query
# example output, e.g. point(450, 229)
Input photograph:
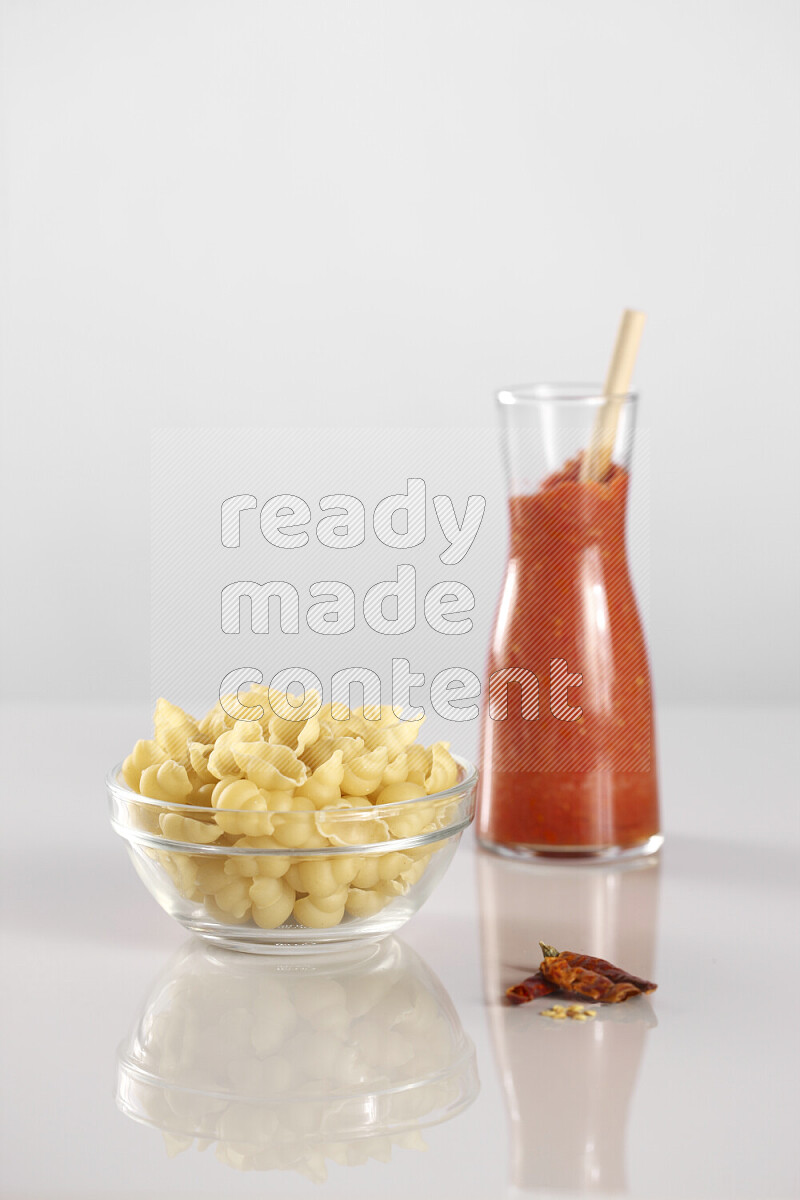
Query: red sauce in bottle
point(572, 764)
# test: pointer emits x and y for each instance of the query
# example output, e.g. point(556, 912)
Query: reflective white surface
point(691, 1092)
point(297, 1064)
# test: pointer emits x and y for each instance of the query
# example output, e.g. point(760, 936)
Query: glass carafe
point(568, 744)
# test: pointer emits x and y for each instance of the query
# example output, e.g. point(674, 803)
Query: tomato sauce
point(568, 755)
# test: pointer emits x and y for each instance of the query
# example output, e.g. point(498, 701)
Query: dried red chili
point(590, 984)
point(615, 974)
point(530, 989)
point(580, 975)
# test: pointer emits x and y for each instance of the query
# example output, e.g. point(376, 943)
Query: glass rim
point(590, 394)
point(137, 837)
point(119, 790)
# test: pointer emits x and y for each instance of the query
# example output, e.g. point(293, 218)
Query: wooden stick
point(597, 458)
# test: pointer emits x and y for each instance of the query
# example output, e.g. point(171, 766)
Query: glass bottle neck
point(546, 430)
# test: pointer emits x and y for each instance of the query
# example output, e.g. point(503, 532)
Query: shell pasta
point(296, 777)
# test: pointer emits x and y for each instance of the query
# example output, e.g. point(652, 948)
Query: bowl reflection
point(288, 1065)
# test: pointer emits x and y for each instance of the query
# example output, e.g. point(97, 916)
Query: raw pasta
point(250, 815)
point(167, 782)
point(186, 829)
point(174, 729)
point(221, 761)
point(272, 900)
point(144, 754)
point(216, 721)
point(324, 786)
point(293, 779)
point(199, 754)
point(363, 775)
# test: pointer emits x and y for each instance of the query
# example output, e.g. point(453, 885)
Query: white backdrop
point(269, 212)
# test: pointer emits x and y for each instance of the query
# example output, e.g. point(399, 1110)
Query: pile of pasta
point(301, 777)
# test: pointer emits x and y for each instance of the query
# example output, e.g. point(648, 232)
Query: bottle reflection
point(568, 1085)
point(287, 1065)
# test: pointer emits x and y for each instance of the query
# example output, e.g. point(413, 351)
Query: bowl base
point(290, 942)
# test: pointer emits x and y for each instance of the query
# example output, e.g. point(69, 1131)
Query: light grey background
point(261, 213)
point(193, 471)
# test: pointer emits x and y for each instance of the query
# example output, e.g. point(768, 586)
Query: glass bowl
point(301, 1062)
point(293, 880)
